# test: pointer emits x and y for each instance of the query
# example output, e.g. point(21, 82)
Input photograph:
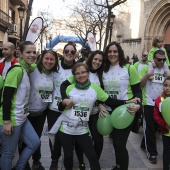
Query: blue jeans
point(24, 133)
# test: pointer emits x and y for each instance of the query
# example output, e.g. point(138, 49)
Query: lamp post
point(112, 18)
point(21, 11)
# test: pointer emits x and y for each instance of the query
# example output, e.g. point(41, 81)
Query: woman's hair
point(72, 44)
point(24, 44)
point(40, 64)
point(156, 39)
point(122, 59)
point(79, 65)
point(100, 69)
point(167, 78)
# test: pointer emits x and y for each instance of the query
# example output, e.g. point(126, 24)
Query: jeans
point(24, 133)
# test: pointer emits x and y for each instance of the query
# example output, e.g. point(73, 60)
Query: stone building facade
point(153, 19)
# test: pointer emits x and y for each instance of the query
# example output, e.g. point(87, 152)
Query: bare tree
point(109, 8)
point(87, 17)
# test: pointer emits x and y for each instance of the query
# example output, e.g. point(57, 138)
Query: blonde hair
point(156, 39)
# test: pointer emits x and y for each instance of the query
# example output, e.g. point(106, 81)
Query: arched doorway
point(158, 23)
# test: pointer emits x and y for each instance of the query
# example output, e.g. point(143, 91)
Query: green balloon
point(121, 118)
point(165, 109)
point(1, 82)
point(104, 125)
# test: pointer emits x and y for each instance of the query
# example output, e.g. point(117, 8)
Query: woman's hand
point(132, 109)
point(102, 110)
point(135, 100)
point(7, 128)
point(68, 103)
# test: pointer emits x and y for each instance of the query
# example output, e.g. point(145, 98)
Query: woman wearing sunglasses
point(14, 125)
point(65, 65)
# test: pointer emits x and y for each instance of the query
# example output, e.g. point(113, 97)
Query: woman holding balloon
point(121, 81)
point(162, 117)
point(74, 121)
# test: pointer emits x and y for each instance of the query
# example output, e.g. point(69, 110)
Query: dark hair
point(122, 59)
point(40, 64)
point(72, 44)
point(79, 65)
point(167, 78)
point(23, 44)
point(100, 69)
point(160, 52)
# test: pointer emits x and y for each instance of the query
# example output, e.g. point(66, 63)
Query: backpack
point(2, 80)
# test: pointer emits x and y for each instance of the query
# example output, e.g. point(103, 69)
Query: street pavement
point(137, 157)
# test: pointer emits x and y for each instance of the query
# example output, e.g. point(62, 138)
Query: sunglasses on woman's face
point(66, 51)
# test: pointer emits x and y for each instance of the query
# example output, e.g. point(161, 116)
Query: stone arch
point(157, 23)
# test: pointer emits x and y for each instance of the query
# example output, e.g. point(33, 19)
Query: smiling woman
point(14, 124)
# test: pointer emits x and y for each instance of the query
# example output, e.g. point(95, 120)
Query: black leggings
point(96, 137)
point(85, 142)
point(120, 137)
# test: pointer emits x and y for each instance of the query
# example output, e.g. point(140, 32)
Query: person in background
point(121, 81)
point(135, 58)
point(85, 51)
point(158, 44)
point(14, 124)
point(9, 60)
point(65, 65)
point(152, 86)
point(17, 53)
point(165, 128)
point(138, 65)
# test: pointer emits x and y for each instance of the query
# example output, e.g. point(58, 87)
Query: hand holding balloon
point(103, 111)
point(132, 109)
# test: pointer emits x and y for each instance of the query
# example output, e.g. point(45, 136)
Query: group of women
point(105, 82)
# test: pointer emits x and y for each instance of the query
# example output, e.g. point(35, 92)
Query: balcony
point(17, 2)
point(5, 21)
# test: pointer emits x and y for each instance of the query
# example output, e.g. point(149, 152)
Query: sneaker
point(54, 165)
point(152, 159)
point(82, 167)
point(37, 166)
point(27, 166)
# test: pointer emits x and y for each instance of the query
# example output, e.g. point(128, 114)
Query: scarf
point(83, 87)
point(47, 72)
point(26, 66)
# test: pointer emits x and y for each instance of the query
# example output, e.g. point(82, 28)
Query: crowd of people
point(71, 94)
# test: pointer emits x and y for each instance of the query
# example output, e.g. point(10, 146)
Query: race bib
point(56, 102)
point(113, 94)
point(158, 78)
point(80, 113)
point(46, 96)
